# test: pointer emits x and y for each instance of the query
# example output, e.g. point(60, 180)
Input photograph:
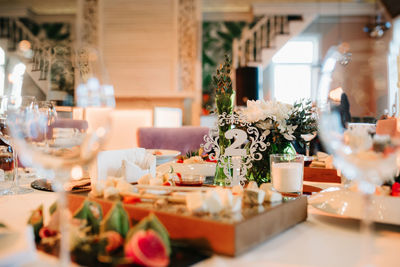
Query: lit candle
point(287, 177)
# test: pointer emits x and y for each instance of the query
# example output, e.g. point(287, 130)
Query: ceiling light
point(377, 28)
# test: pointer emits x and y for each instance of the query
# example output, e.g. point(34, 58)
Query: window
point(16, 78)
point(2, 71)
point(293, 73)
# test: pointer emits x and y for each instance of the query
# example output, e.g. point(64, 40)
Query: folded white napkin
point(129, 163)
point(17, 248)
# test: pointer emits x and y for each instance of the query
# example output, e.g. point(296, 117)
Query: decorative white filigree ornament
point(245, 147)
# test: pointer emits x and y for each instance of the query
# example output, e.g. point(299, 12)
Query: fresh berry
point(131, 200)
point(396, 189)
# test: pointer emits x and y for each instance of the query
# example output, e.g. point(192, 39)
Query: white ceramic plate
point(205, 169)
point(349, 204)
point(165, 155)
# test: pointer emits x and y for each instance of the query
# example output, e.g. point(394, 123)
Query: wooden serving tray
point(321, 175)
point(258, 223)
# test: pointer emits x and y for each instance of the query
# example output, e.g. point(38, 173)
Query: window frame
point(314, 65)
point(2, 70)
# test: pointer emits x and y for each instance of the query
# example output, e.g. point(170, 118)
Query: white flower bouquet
point(280, 124)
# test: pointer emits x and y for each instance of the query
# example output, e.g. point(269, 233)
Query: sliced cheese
point(195, 202)
point(253, 196)
point(213, 202)
point(252, 185)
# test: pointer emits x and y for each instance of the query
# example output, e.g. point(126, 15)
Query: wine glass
point(49, 111)
point(9, 103)
point(67, 157)
point(365, 159)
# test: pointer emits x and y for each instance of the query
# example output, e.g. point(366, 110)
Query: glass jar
point(6, 163)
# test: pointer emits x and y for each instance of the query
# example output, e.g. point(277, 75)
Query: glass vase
point(219, 178)
point(224, 105)
point(260, 171)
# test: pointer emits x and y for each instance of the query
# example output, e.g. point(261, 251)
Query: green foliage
point(53, 208)
point(190, 154)
point(223, 87)
point(86, 252)
point(223, 98)
point(117, 220)
point(217, 42)
point(88, 248)
point(304, 116)
point(92, 213)
point(260, 171)
point(36, 220)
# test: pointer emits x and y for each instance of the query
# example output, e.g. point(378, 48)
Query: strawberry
point(179, 177)
point(131, 200)
point(396, 189)
point(46, 232)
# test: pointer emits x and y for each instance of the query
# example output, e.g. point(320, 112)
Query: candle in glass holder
point(287, 173)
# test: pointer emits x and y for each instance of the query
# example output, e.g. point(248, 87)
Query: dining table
point(321, 240)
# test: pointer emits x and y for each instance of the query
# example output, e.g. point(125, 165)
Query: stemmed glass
point(364, 159)
point(50, 114)
point(69, 157)
point(11, 103)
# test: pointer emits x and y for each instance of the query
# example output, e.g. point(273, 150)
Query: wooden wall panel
point(139, 43)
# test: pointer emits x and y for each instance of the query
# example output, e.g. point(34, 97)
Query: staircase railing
point(44, 52)
point(262, 35)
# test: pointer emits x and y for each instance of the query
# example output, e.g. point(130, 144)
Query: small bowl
point(181, 179)
point(205, 169)
point(308, 160)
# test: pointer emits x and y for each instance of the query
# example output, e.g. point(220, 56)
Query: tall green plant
point(224, 103)
point(217, 42)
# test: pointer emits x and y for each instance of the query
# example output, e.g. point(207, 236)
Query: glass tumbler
point(287, 173)
point(6, 165)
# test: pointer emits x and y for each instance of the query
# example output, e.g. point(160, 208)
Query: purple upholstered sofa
point(183, 139)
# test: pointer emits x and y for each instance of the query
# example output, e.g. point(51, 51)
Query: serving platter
point(205, 169)
point(75, 186)
point(232, 235)
point(345, 203)
point(164, 155)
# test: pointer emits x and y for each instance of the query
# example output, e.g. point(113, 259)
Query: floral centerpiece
point(281, 124)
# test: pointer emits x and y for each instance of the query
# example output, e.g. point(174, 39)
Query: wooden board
point(321, 175)
point(309, 189)
point(258, 224)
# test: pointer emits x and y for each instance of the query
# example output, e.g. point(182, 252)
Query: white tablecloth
point(319, 241)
